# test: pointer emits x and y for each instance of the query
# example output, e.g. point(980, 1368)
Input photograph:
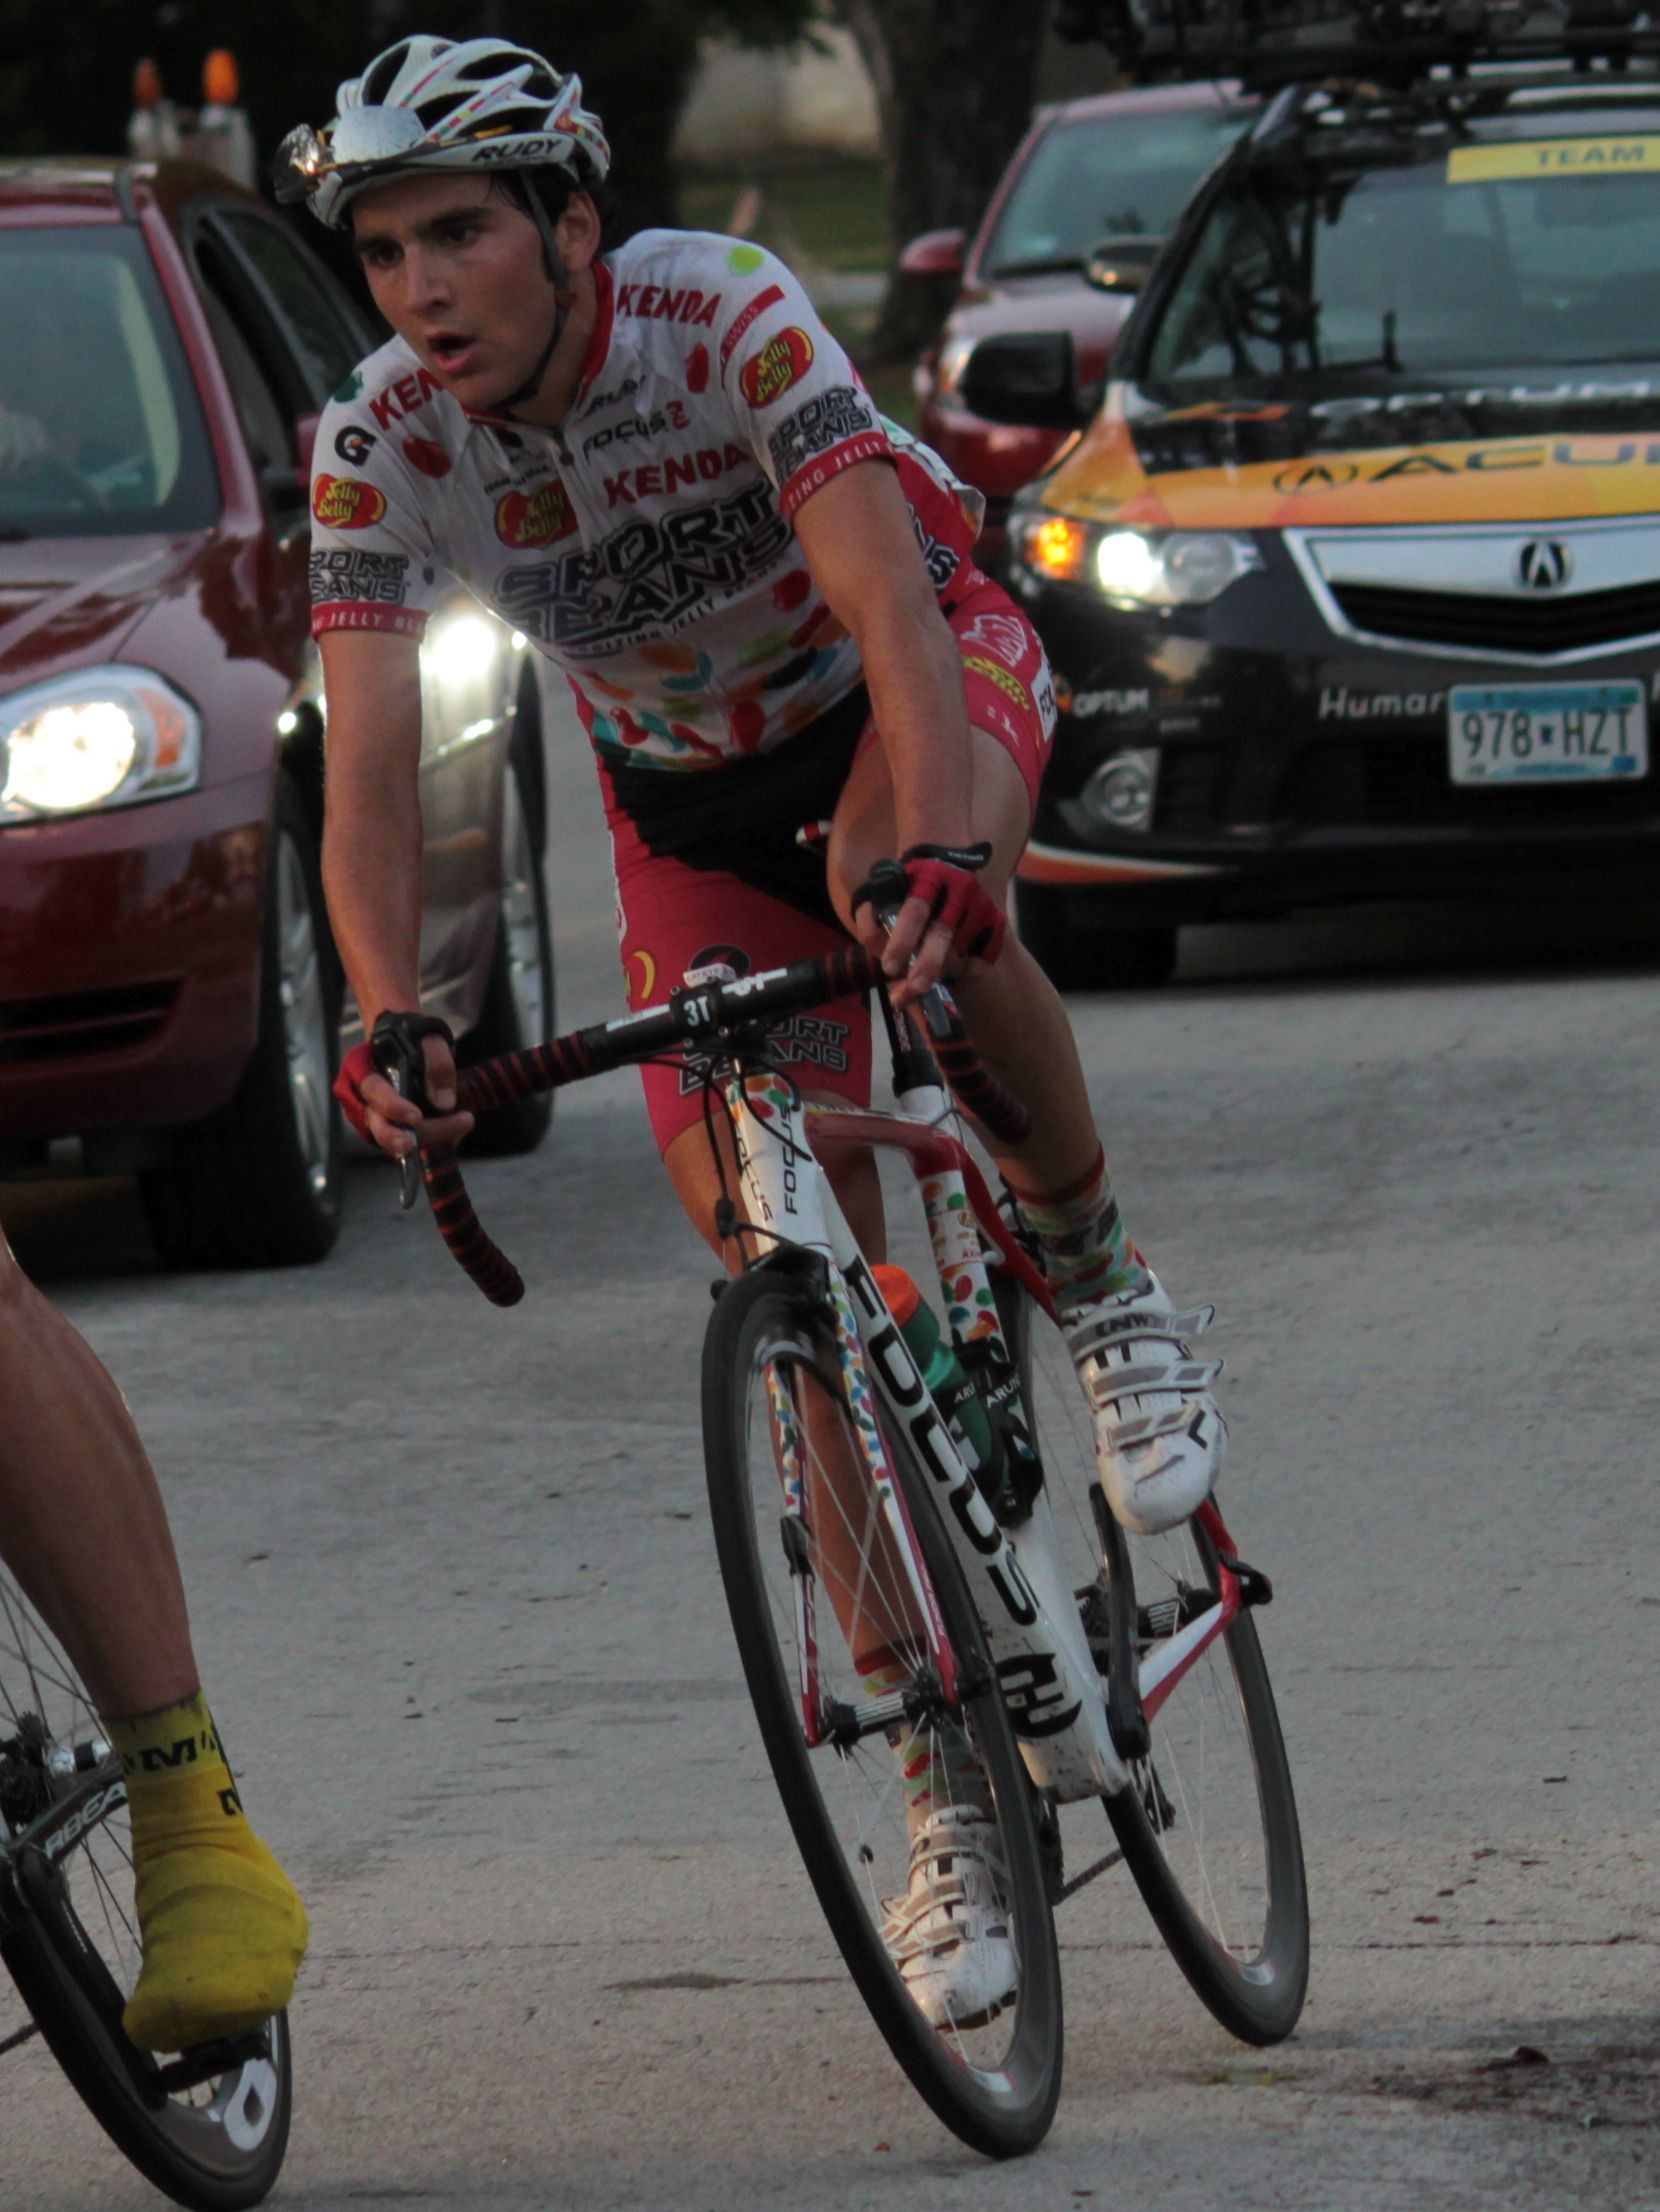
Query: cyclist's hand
point(943, 916)
point(378, 1112)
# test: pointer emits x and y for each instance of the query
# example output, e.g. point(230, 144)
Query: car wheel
point(518, 1001)
point(1077, 954)
point(258, 1183)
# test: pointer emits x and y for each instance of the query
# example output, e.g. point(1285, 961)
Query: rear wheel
point(1209, 1826)
point(258, 1183)
point(1080, 955)
point(74, 1952)
point(811, 1578)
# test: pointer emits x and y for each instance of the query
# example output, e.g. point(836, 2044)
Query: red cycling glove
point(348, 1087)
point(945, 878)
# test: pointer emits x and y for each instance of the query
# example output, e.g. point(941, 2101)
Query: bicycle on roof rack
point(1267, 43)
point(856, 1521)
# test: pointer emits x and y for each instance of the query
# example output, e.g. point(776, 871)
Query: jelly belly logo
point(346, 503)
point(781, 362)
point(534, 518)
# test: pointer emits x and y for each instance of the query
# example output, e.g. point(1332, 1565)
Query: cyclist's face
point(458, 273)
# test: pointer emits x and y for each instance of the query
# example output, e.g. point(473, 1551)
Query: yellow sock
point(223, 1928)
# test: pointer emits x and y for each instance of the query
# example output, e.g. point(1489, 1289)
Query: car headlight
point(102, 737)
point(461, 649)
point(1134, 568)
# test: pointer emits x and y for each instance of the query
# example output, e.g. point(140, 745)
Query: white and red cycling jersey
point(646, 545)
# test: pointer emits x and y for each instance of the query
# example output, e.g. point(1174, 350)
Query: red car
point(1069, 234)
point(169, 994)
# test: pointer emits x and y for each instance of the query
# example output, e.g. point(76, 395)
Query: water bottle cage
point(1011, 1485)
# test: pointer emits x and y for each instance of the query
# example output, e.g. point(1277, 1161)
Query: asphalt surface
point(457, 1607)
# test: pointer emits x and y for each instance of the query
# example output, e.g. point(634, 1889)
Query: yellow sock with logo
point(223, 1928)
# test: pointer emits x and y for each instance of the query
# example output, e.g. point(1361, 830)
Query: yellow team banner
point(1554, 157)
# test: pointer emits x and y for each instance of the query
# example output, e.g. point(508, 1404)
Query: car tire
point(518, 1008)
point(1079, 955)
point(258, 1184)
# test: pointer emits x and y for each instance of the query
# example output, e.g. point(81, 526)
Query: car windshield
point(1498, 255)
point(1113, 175)
point(100, 430)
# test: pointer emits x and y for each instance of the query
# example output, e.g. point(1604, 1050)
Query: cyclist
point(661, 468)
point(83, 1529)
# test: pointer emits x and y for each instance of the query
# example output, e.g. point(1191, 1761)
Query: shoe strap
point(940, 1898)
point(1105, 1386)
point(1095, 1330)
point(1181, 1420)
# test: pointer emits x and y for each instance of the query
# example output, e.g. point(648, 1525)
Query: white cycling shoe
point(949, 1934)
point(1159, 1438)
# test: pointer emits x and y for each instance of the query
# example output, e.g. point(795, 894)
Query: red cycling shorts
point(710, 871)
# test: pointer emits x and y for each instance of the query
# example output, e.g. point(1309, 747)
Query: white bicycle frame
point(1054, 1692)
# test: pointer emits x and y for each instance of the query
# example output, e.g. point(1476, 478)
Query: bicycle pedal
point(1254, 1586)
point(209, 2060)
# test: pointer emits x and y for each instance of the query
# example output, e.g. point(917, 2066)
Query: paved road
point(460, 1617)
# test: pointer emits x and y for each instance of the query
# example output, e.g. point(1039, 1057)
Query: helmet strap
point(563, 298)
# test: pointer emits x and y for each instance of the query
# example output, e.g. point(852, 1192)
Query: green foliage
point(830, 215)
point(65, 86)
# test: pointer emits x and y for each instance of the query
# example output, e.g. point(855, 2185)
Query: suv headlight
point(101, 737)
point(1134, 568)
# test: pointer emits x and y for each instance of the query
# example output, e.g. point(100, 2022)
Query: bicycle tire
point(1209, 1826)
point(215, 2148)
point(994, 2084)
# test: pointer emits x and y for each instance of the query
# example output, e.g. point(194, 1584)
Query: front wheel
point(813, 1576)
point(71, 1946)
point(1209, 1826)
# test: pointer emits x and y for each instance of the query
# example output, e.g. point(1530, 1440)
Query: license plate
point(1539, 733)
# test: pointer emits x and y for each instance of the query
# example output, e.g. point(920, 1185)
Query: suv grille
point(1403, 783)
point(1484, 622)
point(83, 1021)
point(1187, 803)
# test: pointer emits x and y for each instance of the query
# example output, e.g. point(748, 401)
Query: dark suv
point(1352, 590)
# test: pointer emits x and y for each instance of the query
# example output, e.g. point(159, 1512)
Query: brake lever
point(936, 1005)
point(409, 1166)
point(396, 1047)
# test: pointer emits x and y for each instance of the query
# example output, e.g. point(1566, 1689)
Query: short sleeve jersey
point(646, 546)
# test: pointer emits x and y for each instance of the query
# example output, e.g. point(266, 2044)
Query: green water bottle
point(942, 1370)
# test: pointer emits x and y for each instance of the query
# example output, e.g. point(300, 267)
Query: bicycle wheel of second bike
point(74, 1951)
point(810, 1580)
point(1208, 1827)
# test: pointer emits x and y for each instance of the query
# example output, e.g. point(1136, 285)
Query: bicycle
point(853, 1520)
point(208, 2127)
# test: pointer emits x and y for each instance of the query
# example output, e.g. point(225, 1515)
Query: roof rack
point(1271, 43)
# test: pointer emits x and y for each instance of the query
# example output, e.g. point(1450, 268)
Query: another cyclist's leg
point(1160, 1438)
point(83, 1529)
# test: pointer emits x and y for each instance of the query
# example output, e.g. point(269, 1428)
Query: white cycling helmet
point(436, 103)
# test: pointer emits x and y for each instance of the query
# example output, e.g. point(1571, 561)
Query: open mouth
point(449, 349)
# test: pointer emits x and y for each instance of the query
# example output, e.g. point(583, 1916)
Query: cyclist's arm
point(372, 854)
point(857, 535)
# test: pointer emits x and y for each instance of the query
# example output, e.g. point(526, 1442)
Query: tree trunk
point(954, 94)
